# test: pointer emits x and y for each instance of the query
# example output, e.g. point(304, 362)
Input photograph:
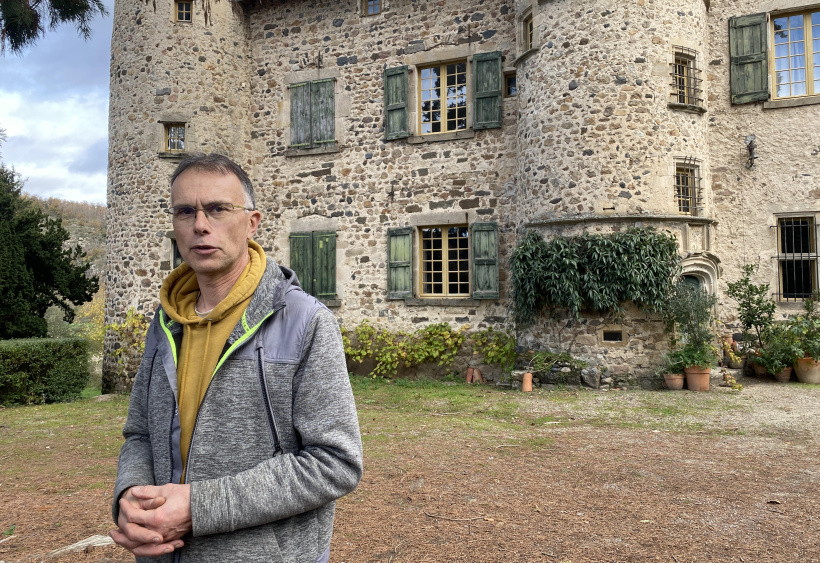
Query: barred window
point(688, 197)
point(797, 257)
point(686, 91)
point(175, 137)
point(445, 261)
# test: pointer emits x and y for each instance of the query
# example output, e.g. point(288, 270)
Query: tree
point(37, 268)
point(22, 22)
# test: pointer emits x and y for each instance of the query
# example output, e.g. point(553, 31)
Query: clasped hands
point(152, 520)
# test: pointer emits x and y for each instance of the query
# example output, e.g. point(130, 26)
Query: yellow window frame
point(444, 261)
point(785, 62)
point(438, 87)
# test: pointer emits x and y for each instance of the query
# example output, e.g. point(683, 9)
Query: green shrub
point(42, 370)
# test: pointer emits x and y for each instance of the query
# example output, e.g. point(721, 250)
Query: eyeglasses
point(213, 211)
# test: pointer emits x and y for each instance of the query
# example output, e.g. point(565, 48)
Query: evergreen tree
point(37, 269)
point(22, 22)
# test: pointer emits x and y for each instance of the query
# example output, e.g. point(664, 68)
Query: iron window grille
point(797, 257)
point(688, 191)
point(686, 87)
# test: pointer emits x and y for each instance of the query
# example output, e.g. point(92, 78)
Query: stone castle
point(399, 149)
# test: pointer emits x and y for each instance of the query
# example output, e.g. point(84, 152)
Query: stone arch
point(704, 267)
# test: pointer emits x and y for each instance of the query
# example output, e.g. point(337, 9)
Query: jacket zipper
point(263, 383)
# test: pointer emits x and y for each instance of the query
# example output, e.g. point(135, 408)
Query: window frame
point(510, 76)
point(527, 31)
point(168, 128)
point(189, 12)
point(686, 89)
point(445, 262)
point(689, 204)
point(784, 258)
point(810, 76)
point(420, 83)
point(366, 5)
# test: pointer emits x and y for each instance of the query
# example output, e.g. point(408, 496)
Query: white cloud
point(54, 108)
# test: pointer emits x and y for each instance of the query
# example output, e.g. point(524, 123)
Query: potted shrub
point(780, 351)
point(672, 373)
point(688, 315)
point(806, 329)
point(755, 308)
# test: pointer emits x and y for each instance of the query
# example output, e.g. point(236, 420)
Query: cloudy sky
point(54, 108)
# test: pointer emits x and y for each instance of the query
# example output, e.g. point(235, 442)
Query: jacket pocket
point(248, 545)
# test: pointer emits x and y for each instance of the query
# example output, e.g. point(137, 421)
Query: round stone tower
point(612, 129)
point(179, 84)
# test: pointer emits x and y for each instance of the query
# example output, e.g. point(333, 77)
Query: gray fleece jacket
point(276, 439)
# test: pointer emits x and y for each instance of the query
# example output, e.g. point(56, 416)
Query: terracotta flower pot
point(759, 369)
point(673, 381)
point(808, 371)
point(526, 383)
point(697, 378)
point(784, 375)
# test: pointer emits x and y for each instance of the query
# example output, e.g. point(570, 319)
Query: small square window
point(175, 137)
point(183, 11)
point(371, 7)
point(510, 85)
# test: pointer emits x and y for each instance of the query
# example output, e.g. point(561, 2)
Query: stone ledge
point(324, 149)
point(618, 218)
point(687, 107)
point(177, 155)
point(441, 302)
point(791, 102)
point(437, 137)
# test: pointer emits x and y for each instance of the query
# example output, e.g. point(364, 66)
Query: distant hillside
point(86, 223)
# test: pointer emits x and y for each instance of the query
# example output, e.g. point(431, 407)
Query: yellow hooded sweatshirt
point(203, 339)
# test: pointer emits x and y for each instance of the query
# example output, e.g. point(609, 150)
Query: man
point(242, 429)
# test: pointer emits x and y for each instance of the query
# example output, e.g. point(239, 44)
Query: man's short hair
point(217, 164)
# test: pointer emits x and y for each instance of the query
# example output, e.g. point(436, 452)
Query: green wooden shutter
point(485, 260)
point(400, 263)
point(324, 264)
point(322, 111)
point(300, 115)
point(301, 259)
point(395, 103)
point(487, 92)
point(748, 68)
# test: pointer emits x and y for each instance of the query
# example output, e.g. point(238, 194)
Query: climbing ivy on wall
point(592, 272)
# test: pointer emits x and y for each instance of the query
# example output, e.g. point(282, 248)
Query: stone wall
point(588, 144)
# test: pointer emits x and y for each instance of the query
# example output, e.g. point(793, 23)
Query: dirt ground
point(748, 493)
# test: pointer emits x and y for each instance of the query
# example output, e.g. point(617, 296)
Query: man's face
point(213, 248)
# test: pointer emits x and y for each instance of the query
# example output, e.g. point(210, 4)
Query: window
point(796, 57)
point(797, 257)
point(510, 85)
point(371, 7)
point(452, 261)
point(686, 80)
point(312, 114)
point(445, 261)
point(527, 32)
point(688, 187)
point(175, 137)
point(313, 258)
point(183, 11)
point(788, 48)
point(442, 92)
point(443, 88)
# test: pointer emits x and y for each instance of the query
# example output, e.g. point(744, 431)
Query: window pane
point(780, 37)
point(799, 75)
point(781, 50)
point(798, 48)
point(799, 89)
point(796, 34)
point(782, 78)
point(815, 18)
point(781, 64)
point(780, 23)
point(783, 90)
point(796, 21)
point(798, 61)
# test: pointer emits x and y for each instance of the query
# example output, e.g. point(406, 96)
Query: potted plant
point(806, 329)
point(672, 373)
point(755, 308)
point(688, 315)
point(780, 351)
